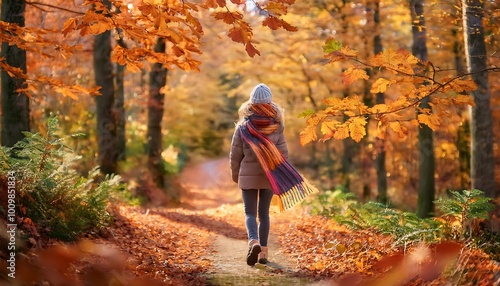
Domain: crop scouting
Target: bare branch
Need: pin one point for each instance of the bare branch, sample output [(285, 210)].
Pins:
[(40, 6)]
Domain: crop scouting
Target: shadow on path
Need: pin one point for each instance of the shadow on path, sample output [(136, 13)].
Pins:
[(217, 226)]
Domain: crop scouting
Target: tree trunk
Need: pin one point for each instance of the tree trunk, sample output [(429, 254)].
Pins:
[(15, 105), (380, 99), (106, 120), (426, 182), (157, 80), (119, 106), (463, 133), (463, 146), (483, 162), (121, 137)]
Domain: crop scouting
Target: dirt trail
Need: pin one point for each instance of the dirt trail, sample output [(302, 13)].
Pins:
[(209, 187)]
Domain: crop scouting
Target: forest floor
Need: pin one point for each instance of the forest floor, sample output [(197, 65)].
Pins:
[(203, 241)]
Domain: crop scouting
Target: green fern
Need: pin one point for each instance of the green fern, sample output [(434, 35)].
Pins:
[(332, 203), (405, 227), (61, 202), (465, 206)]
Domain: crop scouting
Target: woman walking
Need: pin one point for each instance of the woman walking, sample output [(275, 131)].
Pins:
[(259, 116)]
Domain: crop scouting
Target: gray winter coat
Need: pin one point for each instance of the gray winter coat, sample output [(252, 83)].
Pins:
[(245, 167)]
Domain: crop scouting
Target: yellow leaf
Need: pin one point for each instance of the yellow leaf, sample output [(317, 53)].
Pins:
[(357, 128), (379, 108), (414, 122), (342, 132), (382, 132), (65, 91), (352, 74), (68, 26), (328, 129), (332, 101), (228, 17), (316, 118), (463, 85), (276, 8), (350, 113), (348, 52), (395, 126), (431, 120), (133, 67), (380, 85), (463, 99), (400, 61), (308, 135), (329, 126)]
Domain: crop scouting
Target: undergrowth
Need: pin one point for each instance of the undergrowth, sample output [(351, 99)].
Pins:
[(459, 217), (51, 195)]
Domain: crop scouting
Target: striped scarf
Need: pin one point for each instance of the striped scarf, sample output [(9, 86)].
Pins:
[(287, 183)]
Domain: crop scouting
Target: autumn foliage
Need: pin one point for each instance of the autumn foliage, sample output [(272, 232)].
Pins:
[(414, 80), (174, 21)]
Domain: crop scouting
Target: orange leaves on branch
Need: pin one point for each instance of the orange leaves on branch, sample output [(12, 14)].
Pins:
[(141, 26), (34, 40), (32, 83), (354, 126), (462, 99), (461, 85), (241, 31), (408, 78), (336, 52), (275, 23)]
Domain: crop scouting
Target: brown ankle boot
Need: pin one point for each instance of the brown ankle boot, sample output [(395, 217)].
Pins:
[(254, 249), (263, 255)]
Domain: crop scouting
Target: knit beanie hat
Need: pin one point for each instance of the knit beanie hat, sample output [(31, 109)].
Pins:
[(261, 93)]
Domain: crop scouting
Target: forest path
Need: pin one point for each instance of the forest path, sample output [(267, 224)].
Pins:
[(208, 187)]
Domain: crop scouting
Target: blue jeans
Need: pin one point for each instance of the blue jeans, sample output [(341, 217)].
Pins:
[(257, 202)]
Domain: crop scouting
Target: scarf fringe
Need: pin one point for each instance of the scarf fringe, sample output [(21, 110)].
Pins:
[(295, 195)]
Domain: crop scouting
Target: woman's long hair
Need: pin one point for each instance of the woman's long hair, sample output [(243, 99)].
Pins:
[(245, 111)]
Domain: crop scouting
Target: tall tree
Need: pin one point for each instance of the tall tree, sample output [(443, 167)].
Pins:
[(106, 119), (426, 182), (382, 197), (483, 162), (157, 80), (120, 104), (15, 104)]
